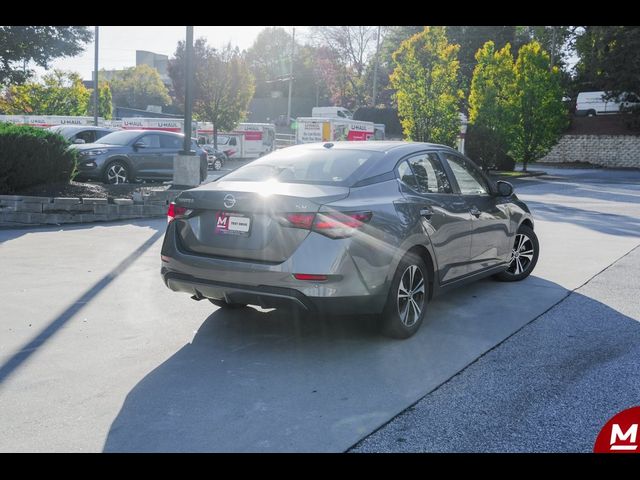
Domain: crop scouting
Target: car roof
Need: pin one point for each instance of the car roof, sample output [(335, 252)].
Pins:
[(384, 146), (390, 152)]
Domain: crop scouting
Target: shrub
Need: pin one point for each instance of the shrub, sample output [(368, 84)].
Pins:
[(33, 156), (484, 147)]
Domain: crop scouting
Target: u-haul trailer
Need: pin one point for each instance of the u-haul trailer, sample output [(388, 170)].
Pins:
[(165, 124), (314, 129), (45, 121)]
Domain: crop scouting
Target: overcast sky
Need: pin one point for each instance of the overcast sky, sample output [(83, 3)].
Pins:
[(118, 45)]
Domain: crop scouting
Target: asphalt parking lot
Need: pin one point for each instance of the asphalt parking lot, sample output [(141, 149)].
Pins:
[(97, 355)]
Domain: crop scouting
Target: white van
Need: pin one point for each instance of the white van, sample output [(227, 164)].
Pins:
[(331, 112), (595, 103)]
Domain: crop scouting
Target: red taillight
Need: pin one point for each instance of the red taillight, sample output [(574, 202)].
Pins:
[(331, 224), (340, 224), (310, 277), (175, 212), (299, 220)]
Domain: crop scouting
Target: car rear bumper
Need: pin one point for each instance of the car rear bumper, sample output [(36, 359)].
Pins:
[(272, 285), (267, 296)]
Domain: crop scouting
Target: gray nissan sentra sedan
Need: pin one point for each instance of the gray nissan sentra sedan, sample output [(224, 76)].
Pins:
[(347, 227)]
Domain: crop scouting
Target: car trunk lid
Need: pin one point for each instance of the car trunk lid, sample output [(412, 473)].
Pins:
[(244, 220)]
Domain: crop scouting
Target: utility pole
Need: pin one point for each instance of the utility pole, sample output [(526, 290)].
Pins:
[(293, 46), (95, 79), (188, 97), (375, 71)]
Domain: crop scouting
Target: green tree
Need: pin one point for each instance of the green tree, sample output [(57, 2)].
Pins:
[(351, 49), (227, 87), (471, 39), (138, 87), (105, 104), (427, 87), (389, 43), (269, 59), (59, 93), (491, 107), (609, 58), (537, 101), (223, 84), (175, 68), (21, 45)]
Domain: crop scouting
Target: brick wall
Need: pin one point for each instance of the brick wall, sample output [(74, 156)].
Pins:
[(604, 150)]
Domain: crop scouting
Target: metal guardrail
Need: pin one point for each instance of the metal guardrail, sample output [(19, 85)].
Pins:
[(285, 140)]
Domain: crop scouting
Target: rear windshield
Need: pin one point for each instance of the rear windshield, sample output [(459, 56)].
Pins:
[(295, 165)]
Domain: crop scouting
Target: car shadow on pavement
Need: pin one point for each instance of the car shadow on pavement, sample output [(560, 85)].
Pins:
[(276, 381), (610, 223), (14, 361), (549, 388)]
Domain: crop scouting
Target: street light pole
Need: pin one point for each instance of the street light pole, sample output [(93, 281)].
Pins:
[(188, 97), (375, 71), (95, 79), (293, 46)]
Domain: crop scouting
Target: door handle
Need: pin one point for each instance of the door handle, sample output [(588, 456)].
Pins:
[(475, 212), (426, 213)]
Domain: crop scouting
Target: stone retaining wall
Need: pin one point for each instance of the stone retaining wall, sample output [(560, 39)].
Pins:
[(604, 150), (28, 210)]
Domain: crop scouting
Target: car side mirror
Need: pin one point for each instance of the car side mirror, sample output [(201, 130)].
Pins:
[(504, 189), (139, 145), (79, 141)]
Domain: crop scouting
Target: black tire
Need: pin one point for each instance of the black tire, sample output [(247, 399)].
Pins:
[(518, 269), (400, 318), (223, 304), (217, 164), (117, 172)]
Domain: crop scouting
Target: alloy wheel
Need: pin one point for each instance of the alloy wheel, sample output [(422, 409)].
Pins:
[(521, 255), (411, 295), (116, 173)]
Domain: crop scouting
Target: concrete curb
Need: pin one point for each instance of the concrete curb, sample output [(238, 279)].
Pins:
[(20, 210)]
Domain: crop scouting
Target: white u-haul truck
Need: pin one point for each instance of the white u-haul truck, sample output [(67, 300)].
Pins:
[(315, 129), (247, 140)]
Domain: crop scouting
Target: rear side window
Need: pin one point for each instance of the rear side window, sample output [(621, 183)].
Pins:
[(424, 173), (298, 165), (171, 142), (151, 141), (89, 136), (467, 175)]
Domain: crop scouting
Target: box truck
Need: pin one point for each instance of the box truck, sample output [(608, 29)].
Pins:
[(314, 129), (247, 140)]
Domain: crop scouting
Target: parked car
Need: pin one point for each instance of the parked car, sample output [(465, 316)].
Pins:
[(80, 134), (129, 155), (215, 158), (347, 227), (596, 103)]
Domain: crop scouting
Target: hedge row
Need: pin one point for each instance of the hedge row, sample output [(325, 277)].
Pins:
[(33, 156)]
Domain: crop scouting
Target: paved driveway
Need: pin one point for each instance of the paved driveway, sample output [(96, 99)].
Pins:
[(96, 354)]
